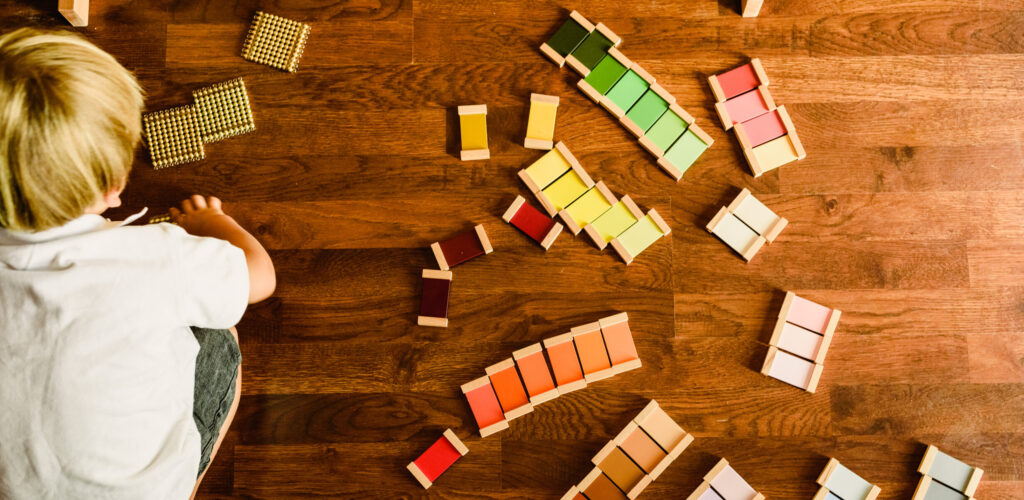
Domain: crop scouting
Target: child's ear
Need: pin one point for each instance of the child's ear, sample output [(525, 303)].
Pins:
[(112, 198)]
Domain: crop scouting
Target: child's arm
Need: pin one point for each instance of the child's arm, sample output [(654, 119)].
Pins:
[(201, 216)]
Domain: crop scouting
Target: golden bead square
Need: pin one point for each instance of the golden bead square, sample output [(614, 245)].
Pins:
[(223, 110), (275, 41), (173, 136)]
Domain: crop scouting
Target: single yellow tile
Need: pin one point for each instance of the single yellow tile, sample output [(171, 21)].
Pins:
[(588, 207), (565, 190), (639, 236), (541, 124), (775, 153), (613, 222), (474, 131), (549, 167)]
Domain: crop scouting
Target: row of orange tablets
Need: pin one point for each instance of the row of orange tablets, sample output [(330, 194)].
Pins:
[(587, 353)]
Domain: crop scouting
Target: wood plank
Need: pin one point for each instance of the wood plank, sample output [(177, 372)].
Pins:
[(356, 469), (383, 41), (883, 264), (905, 215), (926, 409)]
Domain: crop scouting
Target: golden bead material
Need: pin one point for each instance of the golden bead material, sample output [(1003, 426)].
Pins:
[(157, 219), (275, 41), (223, 110), (173, 136)]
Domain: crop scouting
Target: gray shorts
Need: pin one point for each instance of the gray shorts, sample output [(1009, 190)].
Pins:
[(216, 373)]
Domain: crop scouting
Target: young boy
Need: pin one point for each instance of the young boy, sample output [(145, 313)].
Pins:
[(105, 391)]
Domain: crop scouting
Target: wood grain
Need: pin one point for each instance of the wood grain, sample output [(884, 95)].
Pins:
[(906, 215)]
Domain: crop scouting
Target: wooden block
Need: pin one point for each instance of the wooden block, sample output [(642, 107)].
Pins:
[(791, 369), (950, 471), (671, 457), (735, 234), (652, 148), (845, 484), (704, 492), (588, 207), (640, 236), (536, 376), (509, 389), (716, 88), (531, 143), (701, 134), (757, 216), (609, 34), (744, 107), (640, 447), (485, 406), (592, 352), (922, 488), (613, 222), (548, 168), (633, 128), (540, 128), (567, 38), (573, 494), (532, 222), (824, 494), (461, 248), (670, 169), (577, 66), (931, 489), (565, 363), (596, 485), (75, 11), (437, 459), (434, 301), (716, 470), (473, 128), (589, 91), (771, 155), (738, 80), (658, 89), (729, 484), (643, 74), (751, 7), (762, 77), (566, 190), (810, 315), (685, 151), (552, 54), (666, 130), (660, 426), (625, 93), (791, 132), (484, 241), (474, 154), (796, 340), (615, 464), (612, 108), (619, 341)]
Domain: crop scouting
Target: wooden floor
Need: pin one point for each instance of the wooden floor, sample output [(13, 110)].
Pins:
[(906, 215)]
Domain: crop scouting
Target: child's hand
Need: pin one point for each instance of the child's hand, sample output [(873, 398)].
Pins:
[(200, 215)]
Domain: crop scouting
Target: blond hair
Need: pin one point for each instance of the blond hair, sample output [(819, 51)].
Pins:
[(70, 119)]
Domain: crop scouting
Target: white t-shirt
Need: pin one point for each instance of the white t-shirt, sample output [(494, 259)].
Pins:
[(97, 362)]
